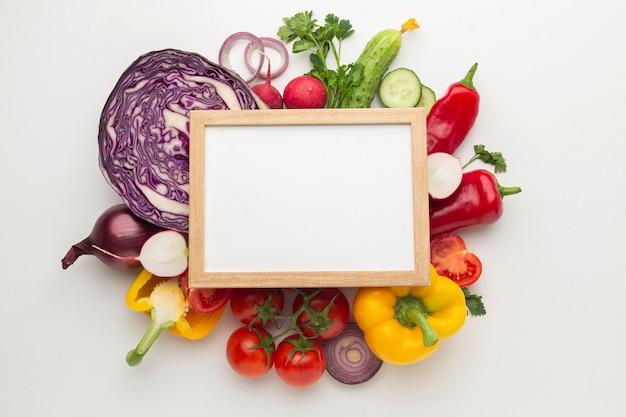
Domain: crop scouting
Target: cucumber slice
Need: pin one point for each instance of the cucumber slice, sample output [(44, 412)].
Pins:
[(400, 88), (428, 98)]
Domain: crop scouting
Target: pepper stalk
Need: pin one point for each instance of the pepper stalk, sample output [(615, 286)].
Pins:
[(168, 306), (410, 312)]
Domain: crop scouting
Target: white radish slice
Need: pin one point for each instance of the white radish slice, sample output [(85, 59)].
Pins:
[(165, 254), (444, 174)]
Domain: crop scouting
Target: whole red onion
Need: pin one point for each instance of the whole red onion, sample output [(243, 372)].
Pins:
[(118, 231)]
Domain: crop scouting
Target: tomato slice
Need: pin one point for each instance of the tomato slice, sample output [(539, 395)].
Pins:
[(450, 257)]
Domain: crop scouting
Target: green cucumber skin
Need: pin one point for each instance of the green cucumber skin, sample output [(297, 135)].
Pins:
[(375, 58)]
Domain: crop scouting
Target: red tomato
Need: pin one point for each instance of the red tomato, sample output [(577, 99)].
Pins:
[(247, 304), (204, 300), (450, 257), (327, 325), (245, 357), (300, 362)]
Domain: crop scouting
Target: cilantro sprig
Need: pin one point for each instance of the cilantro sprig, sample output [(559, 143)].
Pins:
[(308, 35)]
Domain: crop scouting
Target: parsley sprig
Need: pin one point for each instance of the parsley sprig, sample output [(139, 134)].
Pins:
[(492, 158), (308, 35), (474, 303)]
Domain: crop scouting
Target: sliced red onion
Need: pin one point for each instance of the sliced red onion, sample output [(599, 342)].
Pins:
[(348, 358), (268, 43), (252, 42)]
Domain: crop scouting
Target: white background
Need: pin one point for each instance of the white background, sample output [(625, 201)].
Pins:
[(552, 81)]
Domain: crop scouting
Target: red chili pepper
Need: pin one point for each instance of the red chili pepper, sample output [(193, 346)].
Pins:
[(453, 115), (477, 201)]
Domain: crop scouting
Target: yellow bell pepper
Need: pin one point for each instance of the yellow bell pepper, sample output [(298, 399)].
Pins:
[(403, 325), (164, 302)]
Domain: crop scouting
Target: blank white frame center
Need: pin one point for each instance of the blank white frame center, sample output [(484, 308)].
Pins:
[(308, 198)]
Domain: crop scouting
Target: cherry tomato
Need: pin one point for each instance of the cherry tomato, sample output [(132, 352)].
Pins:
[(300, 362), (248, 304), (245, 352), (327, 325), (450, 257), (204, 300)]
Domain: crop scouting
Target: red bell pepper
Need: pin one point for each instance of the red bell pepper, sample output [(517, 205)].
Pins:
[(477, 201), (453, 115)]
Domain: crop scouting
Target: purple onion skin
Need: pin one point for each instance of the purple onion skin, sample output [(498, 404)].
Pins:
[(144, 130), (118, 231)]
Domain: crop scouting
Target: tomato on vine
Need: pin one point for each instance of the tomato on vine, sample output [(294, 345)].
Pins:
[(300, 362), (317, 314), (250, 351), (257, 306), (327, 314)]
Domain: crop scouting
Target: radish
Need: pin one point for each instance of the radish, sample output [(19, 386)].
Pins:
[(267, 92), (164, 254), (444, 174), (305, 92)]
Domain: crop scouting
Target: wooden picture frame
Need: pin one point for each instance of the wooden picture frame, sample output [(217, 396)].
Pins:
[(308, 198)]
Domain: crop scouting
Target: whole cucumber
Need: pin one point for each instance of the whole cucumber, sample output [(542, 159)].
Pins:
[(375, 58)]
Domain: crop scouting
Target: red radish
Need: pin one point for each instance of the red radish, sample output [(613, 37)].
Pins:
[(267, 92), (444, 174), (305, 92), (117, 230)]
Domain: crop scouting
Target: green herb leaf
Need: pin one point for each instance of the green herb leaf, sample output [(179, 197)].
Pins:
[(492, 158), (474, 303), (300, 25), (341, 28), (317, 62)]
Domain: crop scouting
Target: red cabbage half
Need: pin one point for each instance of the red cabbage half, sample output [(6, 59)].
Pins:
[(144, 129)]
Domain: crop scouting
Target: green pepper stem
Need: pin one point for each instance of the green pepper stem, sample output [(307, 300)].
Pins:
[(411, 312), (468, 81), (135, 356), (504, 191)]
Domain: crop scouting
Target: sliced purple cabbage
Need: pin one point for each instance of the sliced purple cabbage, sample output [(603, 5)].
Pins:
[(144, 129)]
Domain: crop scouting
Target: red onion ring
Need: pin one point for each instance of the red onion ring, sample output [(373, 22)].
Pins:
[(269, 43), (231, 41), (348, 358)]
